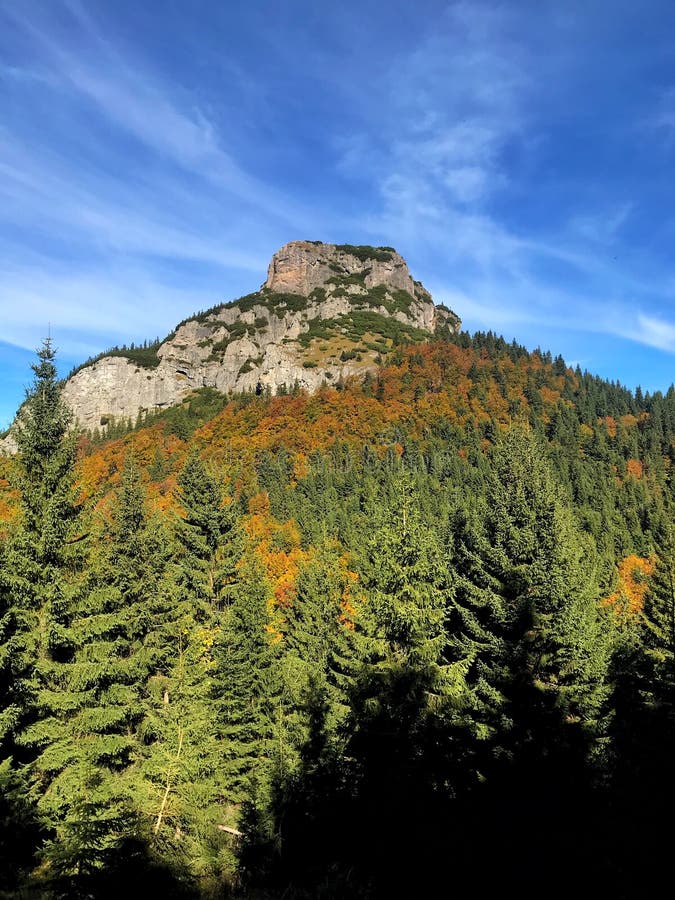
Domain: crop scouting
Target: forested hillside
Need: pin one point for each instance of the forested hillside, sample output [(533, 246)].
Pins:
[(410, 635)]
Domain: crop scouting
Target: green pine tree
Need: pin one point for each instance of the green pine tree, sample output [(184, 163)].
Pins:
[(658, 620), (87, 733), (178, 784), (408, 698), (556, 640), (247, 683), (40, 560), (319, 634), (208, 543)]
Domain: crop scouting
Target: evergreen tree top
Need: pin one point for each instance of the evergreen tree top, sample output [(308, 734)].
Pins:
[(44, 418)]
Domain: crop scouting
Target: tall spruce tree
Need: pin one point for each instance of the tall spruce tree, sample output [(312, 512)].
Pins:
[(642, 782), (40, 559), (319, 633), (88, 732), (645, 683), (658, 620), (476, 620), (41, 562), (208, 544), (550, 669), (247, 682), (178, 782), (183, 786), (407, 698), (556, 639)]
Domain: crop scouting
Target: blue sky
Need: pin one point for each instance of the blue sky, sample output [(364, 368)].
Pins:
[(520, 155)]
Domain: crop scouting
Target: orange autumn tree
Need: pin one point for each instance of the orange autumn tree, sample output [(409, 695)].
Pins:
[(634, 574), (277, 546)]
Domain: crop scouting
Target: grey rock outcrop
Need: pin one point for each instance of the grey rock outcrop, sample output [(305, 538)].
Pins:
[(302, 266)]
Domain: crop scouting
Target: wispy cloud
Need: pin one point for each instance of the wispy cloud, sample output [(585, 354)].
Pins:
[(124, 175), (458, 100), (529, 308), (99, 210), (88, 311), (662, 117), (133, 97), (602, 227), (455, 106), (465, 103), (654, 332)]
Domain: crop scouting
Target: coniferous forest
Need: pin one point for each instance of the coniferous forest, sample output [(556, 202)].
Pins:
[(412, 635)]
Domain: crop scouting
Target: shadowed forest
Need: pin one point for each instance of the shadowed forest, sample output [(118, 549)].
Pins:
[(412, 635)]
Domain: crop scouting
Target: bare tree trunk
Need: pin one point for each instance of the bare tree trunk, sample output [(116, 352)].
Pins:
[(158, 823)]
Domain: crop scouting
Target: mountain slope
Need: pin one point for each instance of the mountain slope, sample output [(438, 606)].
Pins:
[(325, 312)]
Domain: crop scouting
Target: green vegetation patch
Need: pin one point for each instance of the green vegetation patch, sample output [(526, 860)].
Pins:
[(145, 356), (377, 346), (235, 332), (378, 295), (276, 302), (251, 364), (364, 252), (322, 329), (401, 301), (355, 278), (199, 317), (245, 303), (358, 322)]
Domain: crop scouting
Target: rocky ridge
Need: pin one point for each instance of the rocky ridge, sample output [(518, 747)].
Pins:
[(325, 312)]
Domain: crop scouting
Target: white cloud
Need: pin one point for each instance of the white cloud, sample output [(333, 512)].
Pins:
[(90, 310), (161, 115), (453, 107), (654, 332), (102, 212), (467, 183), (602, 228), (663, 119), (460, 103), (484, 312), (109, 220)]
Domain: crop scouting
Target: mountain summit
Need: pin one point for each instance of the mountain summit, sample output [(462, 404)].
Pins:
[(326, 311)]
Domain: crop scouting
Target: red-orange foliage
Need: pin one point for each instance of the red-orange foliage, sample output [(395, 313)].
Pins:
[(99, 470), (350, 579), (634, 468), (427, 385), (634, 573), (9, 496), (277, 545)]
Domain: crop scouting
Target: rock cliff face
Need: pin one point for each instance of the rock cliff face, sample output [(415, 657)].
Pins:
[(302, 266), (326, 311)]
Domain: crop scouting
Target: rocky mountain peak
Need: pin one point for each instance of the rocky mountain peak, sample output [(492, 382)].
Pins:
[(302, 266), (325, 312)]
